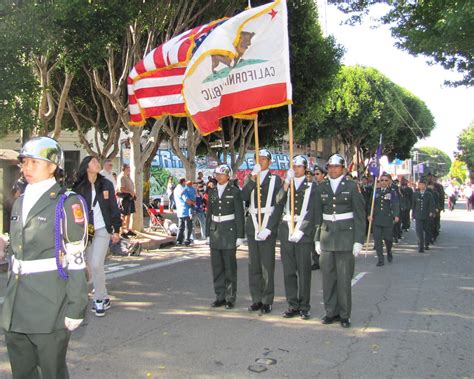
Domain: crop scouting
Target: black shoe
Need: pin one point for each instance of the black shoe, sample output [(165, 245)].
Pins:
[(345, 322), (421, 250), (218, 303), (124, 235), (266, 308), (427, 247), (187, 243), (130, 233), (179, 243), (379, 264), (326, 320), (305, 315), (229, 305), (315, 266), (389, 257), (290, 312), (255, 307)]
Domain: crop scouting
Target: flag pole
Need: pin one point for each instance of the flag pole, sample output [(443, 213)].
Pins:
[(292, 192), (257, 149), (371, 216)]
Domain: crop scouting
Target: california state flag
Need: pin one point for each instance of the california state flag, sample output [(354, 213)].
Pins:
[(242, 67)]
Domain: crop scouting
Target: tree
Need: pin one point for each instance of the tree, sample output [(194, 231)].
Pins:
[(441, 30), (364, 104), (458, 171), (435, 161), (466, 147)]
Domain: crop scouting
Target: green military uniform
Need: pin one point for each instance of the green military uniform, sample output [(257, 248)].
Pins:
[(386, 208), (340, 222), (438, 188), (423, 209), (406, 200), (262, 253), (224, 225), (37, 299), (296, 256)]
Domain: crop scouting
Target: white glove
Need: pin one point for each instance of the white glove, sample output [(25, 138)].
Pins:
[(240, 241), (256, 170), (317, 246), (296, 236), (356, 249), (290, 174), (72, 324), (208, 240), (263, 234)]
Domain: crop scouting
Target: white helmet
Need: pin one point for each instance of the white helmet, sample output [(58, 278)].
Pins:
[(300, 160), (44, 148), (336, 160), (223, 169), (265, 153)]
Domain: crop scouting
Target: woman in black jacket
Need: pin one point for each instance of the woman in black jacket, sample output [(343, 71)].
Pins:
[(104, 214)]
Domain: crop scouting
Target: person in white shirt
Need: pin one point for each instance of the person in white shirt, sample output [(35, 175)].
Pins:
[(108, 173)]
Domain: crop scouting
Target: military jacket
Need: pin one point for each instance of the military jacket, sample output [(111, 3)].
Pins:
[(406, 198), (339, 235), (386, 207), (440, 191), (249, 189), (39, 302), (307, 225), (423, 205), (223, 235)]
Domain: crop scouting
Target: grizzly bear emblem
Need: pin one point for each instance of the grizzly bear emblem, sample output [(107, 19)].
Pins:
[(245, 40)]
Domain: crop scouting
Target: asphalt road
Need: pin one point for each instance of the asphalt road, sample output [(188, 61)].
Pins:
[(412, 318)]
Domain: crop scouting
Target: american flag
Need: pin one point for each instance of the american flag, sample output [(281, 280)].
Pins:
[(156, 82)]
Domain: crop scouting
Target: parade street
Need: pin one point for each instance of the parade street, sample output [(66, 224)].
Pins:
[(412, 318)]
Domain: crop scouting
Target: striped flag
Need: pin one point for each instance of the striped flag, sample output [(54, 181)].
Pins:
[(156, 82), (242, 67)]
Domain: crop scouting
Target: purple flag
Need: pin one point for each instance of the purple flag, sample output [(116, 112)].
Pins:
[(374, 165)]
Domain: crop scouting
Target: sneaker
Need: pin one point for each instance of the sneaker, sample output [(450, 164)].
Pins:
[(107, 304), (99, 308)]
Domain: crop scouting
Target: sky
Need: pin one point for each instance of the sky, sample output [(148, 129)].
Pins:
[(452, 108)]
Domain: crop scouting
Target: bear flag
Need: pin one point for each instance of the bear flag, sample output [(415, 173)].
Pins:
[(242, 67)]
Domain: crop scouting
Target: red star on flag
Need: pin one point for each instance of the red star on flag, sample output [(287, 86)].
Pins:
[(273, 13)]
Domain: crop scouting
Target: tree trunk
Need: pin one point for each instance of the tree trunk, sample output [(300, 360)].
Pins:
[(136, 173)]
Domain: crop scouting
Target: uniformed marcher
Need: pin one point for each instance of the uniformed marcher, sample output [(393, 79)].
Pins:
[(439, 205), (262, 240), (225, 232), (340, 227), (46, 294), (423, 210), (386, 213), (297, 241), (319, 176), (397, 228), (406, 200)]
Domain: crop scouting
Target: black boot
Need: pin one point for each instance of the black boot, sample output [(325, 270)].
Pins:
[(388, 246)]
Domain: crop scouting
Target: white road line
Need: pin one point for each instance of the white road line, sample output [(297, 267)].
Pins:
[(131, 271), (358, 277)]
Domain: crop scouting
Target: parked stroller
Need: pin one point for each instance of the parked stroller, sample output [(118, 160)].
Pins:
[(157, 221)]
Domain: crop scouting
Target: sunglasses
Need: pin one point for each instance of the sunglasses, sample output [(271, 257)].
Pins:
[(383, 180)]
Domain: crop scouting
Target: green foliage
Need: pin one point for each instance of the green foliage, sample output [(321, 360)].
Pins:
[(364, 104), (466, 147), (440, 30), (435, 160), (458, 171)]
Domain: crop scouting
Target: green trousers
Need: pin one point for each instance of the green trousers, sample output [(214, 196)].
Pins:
[(262, 270), (31, 354)]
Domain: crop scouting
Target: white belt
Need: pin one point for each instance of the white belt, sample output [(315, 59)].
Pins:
[(262, 210), (338, 217), (288, 218), (223, 218), (34, 266)]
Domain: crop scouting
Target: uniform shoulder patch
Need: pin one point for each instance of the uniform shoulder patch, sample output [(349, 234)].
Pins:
[(78, 213)]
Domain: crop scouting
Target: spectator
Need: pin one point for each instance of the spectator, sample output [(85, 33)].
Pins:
[(183, 200), (105, 216), (169, 191), (127, 195), (201, 185), (108, 173), (199, 214)]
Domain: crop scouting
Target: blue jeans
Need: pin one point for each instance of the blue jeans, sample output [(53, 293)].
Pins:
[(185, 224)]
